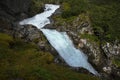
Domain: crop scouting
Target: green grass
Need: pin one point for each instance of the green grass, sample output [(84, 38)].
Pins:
[(5, 37), (21, 60)]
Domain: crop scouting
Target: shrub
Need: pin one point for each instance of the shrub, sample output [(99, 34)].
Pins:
[(105, 19), (74, 8)]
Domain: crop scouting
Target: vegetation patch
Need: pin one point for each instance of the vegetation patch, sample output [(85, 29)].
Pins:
[(116, 61), (89, 37), (21, 60), (105, 19)]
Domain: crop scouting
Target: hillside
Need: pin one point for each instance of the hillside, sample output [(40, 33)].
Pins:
[(92, 25)]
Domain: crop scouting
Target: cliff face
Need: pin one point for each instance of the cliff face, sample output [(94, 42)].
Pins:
[(15, 6), (12, 11)]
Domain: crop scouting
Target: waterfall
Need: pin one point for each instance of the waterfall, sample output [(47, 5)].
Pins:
[(40, 20), (60, 40)]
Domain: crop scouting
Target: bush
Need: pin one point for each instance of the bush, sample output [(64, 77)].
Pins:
[(74, 8), (105, 19)]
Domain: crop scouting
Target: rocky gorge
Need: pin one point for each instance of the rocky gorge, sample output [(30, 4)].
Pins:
[(104, 56)]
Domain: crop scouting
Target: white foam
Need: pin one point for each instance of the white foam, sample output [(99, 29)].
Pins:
[(72, 56)]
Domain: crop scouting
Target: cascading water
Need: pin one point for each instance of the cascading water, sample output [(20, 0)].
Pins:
[(60, 40)]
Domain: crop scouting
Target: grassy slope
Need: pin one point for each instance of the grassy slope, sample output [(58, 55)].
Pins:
[(20, 60), (105, 18)]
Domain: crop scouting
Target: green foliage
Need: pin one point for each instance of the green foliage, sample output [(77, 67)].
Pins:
[(20, 45), (4, 43), (105, 19), (74, 7), (5, 37), (116, 61), (21, 60)]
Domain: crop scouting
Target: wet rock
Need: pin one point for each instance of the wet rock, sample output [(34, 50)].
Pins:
[(111, 49), (97, 57), (27, 32), (107, 69), (87, 30), (92, 50), (41, 45)]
